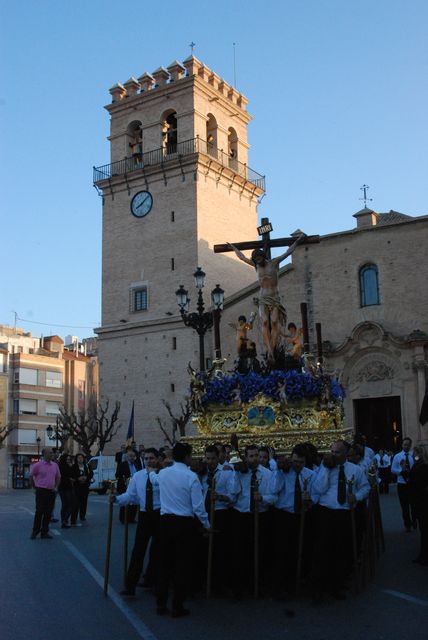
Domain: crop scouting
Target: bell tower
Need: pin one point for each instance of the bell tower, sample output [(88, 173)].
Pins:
[(178, 182)]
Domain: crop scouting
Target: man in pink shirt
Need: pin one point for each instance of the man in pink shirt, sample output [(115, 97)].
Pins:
[(45, 478)]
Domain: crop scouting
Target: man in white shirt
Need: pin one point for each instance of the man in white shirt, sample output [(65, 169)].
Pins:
[(251, 485), (181, 500), (332, 560), (383, 462), (291, 483), (142, 491), (401, 465), (217, 481)]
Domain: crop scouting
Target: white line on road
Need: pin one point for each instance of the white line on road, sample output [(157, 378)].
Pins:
[(55, 532), (141, 628), (405, 596), (28, 510)]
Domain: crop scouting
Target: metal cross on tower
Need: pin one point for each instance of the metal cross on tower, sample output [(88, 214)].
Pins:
[(365, 199), (192, 45)]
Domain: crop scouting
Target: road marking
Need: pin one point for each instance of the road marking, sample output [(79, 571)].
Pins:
[(55, 532), (405, 596), (28, 510), (141, 628)]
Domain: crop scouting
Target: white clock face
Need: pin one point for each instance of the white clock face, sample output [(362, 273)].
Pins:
[(141, 204)]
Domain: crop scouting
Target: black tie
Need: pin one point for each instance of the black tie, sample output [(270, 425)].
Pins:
[(149, 494), (341, 486), (253, 489), (297, 494), (210, 479)]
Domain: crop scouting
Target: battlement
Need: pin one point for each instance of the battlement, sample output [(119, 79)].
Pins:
[(174, 73)]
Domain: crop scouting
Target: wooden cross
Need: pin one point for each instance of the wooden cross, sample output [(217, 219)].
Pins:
[(266, 243)]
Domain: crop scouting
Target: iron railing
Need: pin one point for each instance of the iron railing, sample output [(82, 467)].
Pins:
[(172, 152)]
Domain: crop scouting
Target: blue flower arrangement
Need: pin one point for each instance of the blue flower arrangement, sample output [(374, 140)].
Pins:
[(298, 386)]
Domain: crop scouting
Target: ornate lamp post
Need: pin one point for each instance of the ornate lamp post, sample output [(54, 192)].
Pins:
[(57, 433), (201, 320), (38, 440)]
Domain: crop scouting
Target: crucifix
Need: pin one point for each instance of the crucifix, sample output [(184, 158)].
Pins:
[(192, 45), (271, 311), (365, 199)]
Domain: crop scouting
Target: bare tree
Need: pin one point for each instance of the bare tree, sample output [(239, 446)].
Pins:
[(5, 430), (91, 429), (178, 421)]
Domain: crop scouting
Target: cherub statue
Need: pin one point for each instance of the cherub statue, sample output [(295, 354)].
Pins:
[(236, 394), (293, 340), (197, 389), (242, 329), (282, 391)]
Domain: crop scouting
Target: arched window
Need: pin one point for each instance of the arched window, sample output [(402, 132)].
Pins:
[(232, 147), (170, 132), (369, 285), (211, 135), (134, 137)]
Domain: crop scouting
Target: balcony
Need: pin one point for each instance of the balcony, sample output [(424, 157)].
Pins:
[(174, 153)]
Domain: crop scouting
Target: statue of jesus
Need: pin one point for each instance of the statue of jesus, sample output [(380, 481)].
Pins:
[(271, 311)]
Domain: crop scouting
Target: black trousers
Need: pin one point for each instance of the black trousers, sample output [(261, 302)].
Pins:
[(286, 547), (132, 513), (68, 502), (407, 510), (80, 504), (422, 516), (147, 529), (45, 500), (384, 475), (332, 550), (176, 540), (243, 549)]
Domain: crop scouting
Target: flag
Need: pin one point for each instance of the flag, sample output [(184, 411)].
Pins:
[(130, 434)]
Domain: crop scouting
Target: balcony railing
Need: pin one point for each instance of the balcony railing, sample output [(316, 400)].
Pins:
[(140, 161)]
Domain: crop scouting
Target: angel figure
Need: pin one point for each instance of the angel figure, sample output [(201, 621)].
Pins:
[(242, 329), (282, 391), (197, 389)]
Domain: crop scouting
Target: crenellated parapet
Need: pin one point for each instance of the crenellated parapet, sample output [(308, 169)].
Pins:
[(173, 74)]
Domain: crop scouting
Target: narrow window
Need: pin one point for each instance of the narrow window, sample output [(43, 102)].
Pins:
[(172, 387), (369, 285), (172, 264), (174, 343), (172, 216), (139, 299)]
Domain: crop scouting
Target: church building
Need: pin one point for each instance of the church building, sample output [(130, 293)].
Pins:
[(178, 183)]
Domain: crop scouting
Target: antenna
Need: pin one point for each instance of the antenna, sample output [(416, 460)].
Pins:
[(365, 199), (234, 64)]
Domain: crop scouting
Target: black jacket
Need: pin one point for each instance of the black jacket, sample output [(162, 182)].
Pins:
[(123, 472), (87, 471)]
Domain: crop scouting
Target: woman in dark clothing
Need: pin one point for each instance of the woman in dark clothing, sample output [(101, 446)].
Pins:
[(418, 482), (66, 488), (83, 475)]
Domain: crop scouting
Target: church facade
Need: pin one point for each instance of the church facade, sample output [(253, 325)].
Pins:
[(177, 184)]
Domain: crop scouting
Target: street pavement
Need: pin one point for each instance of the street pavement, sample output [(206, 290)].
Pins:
[(53, 588)]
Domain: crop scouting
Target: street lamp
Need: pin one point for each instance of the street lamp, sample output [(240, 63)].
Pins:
[(57, 434), (38, 440), (201, 320)]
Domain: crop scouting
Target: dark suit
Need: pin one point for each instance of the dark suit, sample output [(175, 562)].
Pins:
[(123, 473)]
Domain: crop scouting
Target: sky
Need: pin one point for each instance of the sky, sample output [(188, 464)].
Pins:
[(337, 89)]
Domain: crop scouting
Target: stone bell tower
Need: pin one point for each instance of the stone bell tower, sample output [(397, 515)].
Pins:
[(178, 182)]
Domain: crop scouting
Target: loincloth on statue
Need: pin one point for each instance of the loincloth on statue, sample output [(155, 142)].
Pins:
[(273, 302)]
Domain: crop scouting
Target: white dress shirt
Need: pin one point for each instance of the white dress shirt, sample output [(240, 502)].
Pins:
[(396, 467), (383, 462), (283, 484), (181, 493), (136, 491), (241, 489), (368, 455), (223, 486), (326, 484)]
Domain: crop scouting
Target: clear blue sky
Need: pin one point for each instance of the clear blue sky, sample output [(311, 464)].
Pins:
[(337, 89)]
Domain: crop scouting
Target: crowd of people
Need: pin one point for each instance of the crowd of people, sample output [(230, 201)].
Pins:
[(311, 513), (68, 476), (274, 523)]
